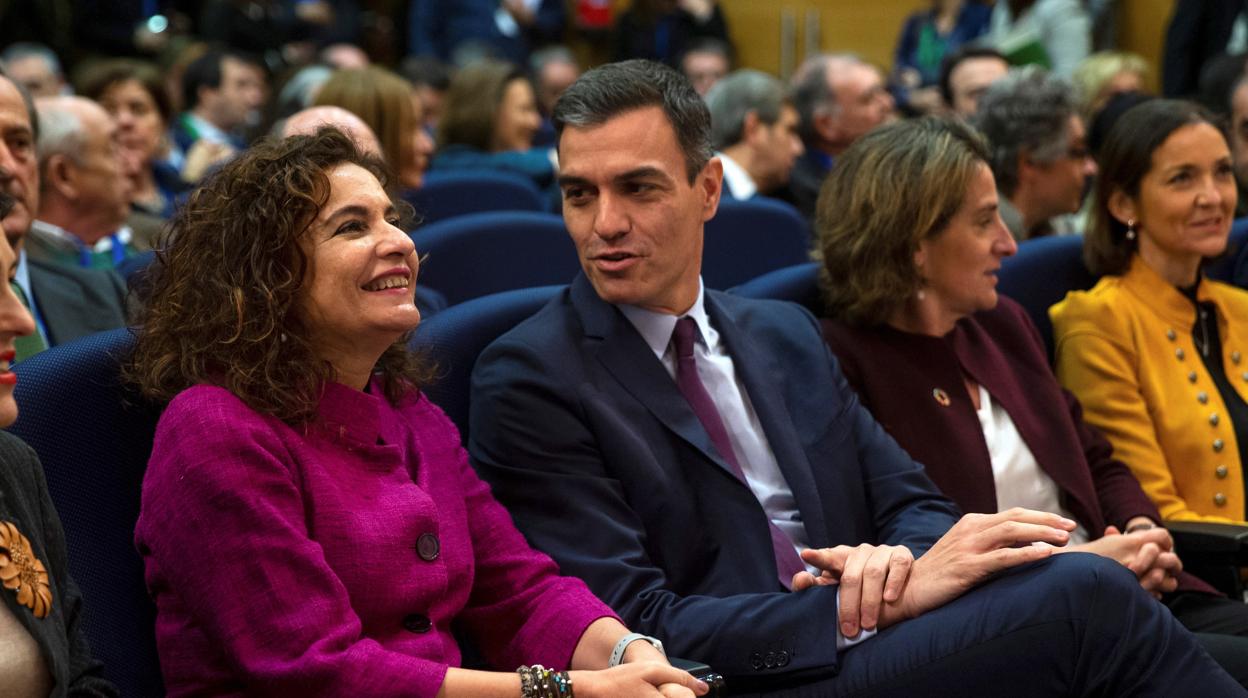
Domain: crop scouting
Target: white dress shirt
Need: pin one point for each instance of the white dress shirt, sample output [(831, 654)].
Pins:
[(739, 182), (749, 442), (1017, 476)]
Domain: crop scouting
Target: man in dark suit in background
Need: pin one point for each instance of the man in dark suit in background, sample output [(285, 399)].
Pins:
[(67, 303), (677, 447)]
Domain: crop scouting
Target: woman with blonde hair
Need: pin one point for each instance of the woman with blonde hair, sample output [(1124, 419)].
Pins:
[(392, 109)]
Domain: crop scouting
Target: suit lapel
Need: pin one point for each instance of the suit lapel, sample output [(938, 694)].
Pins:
[(762, 376), (628, 358)]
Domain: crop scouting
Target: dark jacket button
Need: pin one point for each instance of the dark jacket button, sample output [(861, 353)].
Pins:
[(770, 660), (417, 623), (756, 661), (782, 658), (427, 547)]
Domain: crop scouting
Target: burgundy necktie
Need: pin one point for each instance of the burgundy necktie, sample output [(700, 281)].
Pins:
[(690, 385)]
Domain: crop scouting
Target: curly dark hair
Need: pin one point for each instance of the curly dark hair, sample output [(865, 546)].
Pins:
[(220, 302)]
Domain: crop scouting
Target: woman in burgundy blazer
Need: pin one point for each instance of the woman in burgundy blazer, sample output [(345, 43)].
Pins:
[(924, 338)]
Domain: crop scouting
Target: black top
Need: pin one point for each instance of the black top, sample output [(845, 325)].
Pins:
[(1209, 343)]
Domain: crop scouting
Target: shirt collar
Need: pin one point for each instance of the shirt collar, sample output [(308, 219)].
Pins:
[(740, 183), (656, 328)]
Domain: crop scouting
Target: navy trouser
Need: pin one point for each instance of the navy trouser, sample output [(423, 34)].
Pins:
[(1072, 625)]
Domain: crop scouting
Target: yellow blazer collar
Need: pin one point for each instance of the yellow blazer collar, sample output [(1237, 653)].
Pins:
[(1167, 301)]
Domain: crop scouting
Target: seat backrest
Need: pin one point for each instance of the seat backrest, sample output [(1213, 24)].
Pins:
[(456, 336), (798, 284), (448, 194), (749, 238), (1232, 267), (483, 253), (1041, 274), (94, 437)]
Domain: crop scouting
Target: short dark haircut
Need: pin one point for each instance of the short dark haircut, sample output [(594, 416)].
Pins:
[(615, 88), (707, 44), (426, 71), (1125, 159), (102, 77), (206, 71), (951, 61)]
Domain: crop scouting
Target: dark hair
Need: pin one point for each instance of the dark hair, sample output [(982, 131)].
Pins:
[(426, 71), (615, 88), (221, 300), (1217, 79), (951, 61), (206, 71), (706, 44), (894, 187), (100, 78), (1103, 121), (470, 110), (1126, 158)]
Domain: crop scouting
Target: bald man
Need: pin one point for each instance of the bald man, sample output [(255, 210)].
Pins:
[(307, 121)]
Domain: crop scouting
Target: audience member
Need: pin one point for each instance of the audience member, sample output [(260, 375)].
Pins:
[(1218, 78), (296, 439), (488, 122), (754, 131), (300, 90), (132, 93), (66, 302), (838, 98), (36, 67), (313, 119), (389, 106), (344, 57), (45, 648), (1105, 74), (223, 92), (1039, 151), (663, 30), (553, 69), (431, 79), (705, 62), (1239, 143), (1153, 351), (461, 31), (927, 37), (966, 74), (911, 240), (85, 193), (1198, 31), (1104, 119), (1055, 34), (696, 440)]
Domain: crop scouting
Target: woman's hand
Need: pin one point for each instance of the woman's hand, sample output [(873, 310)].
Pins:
[(647, 679), (1148, 554)]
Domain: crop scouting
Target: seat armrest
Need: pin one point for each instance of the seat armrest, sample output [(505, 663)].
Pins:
[(1200, 538)]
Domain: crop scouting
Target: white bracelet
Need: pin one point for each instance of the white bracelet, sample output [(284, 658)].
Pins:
[(617, 654)]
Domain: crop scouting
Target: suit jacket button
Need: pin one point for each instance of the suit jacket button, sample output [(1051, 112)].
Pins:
[(756, 661), (427, 547), (782, 658), (770, 660), (417, 623)]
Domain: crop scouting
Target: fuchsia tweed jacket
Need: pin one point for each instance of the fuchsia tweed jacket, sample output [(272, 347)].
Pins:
[(332, 559)]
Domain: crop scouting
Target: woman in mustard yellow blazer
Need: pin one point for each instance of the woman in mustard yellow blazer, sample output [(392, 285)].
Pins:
[(1155, 352)]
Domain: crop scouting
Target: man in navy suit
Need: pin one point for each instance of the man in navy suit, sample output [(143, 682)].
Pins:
[(677, 448)]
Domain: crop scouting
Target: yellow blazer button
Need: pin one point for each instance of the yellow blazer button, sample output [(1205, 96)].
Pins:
[(1202, 397), (1179, 353), (1235, 357), (1217, 445), (1219, 499), (1170, 335), (1221, 472), (1191, 376), (1213, 419)]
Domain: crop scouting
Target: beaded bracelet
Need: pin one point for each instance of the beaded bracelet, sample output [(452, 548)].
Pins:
[(539, 682)]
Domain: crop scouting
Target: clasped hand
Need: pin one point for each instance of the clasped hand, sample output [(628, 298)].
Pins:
[(884, 584), (1149, 554)]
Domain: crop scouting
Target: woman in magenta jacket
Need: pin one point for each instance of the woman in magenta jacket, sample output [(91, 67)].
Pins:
[(310, 524)]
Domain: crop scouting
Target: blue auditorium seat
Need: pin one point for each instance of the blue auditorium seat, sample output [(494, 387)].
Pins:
[(94, 436), (483, 253), (1041, 273), (445, 195), (798, 284), (749, 238)]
